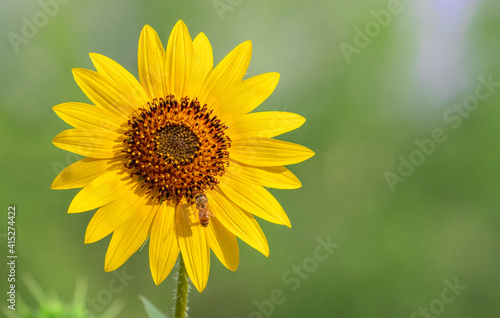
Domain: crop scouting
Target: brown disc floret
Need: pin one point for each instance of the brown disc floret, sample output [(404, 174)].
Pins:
[(177, 149)]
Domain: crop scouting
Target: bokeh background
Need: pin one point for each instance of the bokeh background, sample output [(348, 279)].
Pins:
[(364, 108)]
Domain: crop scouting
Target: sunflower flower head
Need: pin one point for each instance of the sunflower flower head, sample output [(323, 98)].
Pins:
[(178, 155)]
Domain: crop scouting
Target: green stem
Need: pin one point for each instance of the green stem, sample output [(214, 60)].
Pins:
[(182, 290)]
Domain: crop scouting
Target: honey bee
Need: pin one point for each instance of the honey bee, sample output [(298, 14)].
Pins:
[(202, 205)]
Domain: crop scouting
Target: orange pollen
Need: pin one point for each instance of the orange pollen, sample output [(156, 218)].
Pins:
[(178, 150)]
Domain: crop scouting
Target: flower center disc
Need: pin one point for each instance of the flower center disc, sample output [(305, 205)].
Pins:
[(177, 149), (177, 143)]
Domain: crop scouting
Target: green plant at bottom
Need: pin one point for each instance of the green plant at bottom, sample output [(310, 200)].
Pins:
[(51, 306)]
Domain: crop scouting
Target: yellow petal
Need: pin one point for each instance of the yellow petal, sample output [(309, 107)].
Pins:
[(254, 199), (99, 227), (193, 244), (223, 243), (247, 95), (163, 247), (203, 64), (277, 177), (85, 116), (90, 143), (104, 94), (227, 73), (179, 61), (103, 190), (239, 222), (151, 61), (116, 73), (264, 124), (111, 216), (131, 235), (80, 173), (268, 152)]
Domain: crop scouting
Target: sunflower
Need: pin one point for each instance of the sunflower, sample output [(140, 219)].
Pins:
[(177, 156)]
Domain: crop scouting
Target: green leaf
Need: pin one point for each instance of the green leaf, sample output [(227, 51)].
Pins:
[(151, 310)]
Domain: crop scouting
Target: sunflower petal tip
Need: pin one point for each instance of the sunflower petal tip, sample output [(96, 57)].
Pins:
[(95, 56), (247, 45), (276, 78), (272, 78), (73, 208), (71, 211), (88, 237), (308, 153), (233, 268), (200, 286), (109, 265), (147, 29), (78, 73), (55, 184), (202, 36), (181, 26), (157, 280)]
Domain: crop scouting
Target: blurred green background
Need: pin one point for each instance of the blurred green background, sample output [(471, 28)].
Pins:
[(364, 109)]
